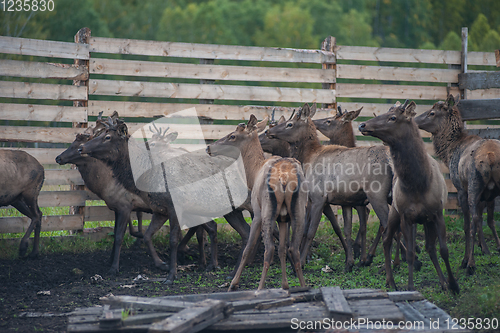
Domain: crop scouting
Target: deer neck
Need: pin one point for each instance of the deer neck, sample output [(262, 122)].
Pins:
[(303, 149), (411, 162), (449, 138), (346, 137), (253, 160)]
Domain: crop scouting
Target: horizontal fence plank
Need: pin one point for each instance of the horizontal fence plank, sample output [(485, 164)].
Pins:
[(477, 109), (12, 111), (11, 89), (43, 48), (103, 213), (481, 80), (485, 133), (43, 155), (397, 55), (65, 198), (481, 58), (207, 51), (209, 72), (369, 109), (205, 91), (397, 73), (39, 134), (400, 92), (483, 94), (42, 70), (212, 111), (63, 177), (49, 223)]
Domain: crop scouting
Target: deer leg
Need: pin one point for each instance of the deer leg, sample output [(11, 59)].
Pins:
[(182, 248), (409, 236), (282, 250), (363, 212), (316, 210), (267, 233), (477, 219), (132, 232), (211, 228), (349, 259), (464, 204), (298, 227), (200, 237), (121, 221), (252, 241), (490, 208), (397, 260), (440, 230), (175, 231), (328, 211), (157, 221), (29, 207), (480, 233), (430, 246), (381, 208), (373, 248), (392, 226), (237, 221)]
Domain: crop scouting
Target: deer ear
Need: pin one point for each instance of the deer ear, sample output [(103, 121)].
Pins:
[(304, 112), (122, 130), (409, 111), (252, 122), (170, 137), (351, 115), (281, 120), (450, 101), (261, 125), (313, 110)]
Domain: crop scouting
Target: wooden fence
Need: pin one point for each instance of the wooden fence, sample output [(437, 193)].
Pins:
[(148, 79)]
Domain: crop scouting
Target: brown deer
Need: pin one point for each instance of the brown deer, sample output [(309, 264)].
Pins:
[(474, 165), (336, 175), (419, 190), (21, 179), (279, 193)]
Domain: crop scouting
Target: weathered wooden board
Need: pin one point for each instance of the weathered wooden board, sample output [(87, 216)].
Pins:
[(192, 319), (485, 133), (208, 51), (401, 92), (209, 91), (477, 109), (481, 80), (397, 55), (11, 89), (39, 134), (481, 58), (336, 303), (148, 303), (268, 294), (358, 294), (497, 56), (12, 111), (62, 177), (49, 223), (103, 213), (43, 48), (364, 72), (42, 70), (483, 93), (43, 155), (209, 72)]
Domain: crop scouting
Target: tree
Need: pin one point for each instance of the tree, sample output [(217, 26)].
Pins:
[(451, 42), (355, 30)]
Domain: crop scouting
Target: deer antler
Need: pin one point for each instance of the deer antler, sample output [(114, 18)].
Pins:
[(405, 104), (339, 110), (272, 115), (293, 112)]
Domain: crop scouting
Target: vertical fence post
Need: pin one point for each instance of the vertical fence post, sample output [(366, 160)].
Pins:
[(82, 36), (329, 45), (465, 33)]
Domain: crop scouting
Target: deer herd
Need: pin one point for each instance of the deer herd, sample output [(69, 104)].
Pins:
[(291, 181)]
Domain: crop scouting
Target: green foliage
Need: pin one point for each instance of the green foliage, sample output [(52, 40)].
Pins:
[(451, 42)]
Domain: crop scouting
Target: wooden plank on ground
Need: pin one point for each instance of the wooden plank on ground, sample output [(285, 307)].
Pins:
[(397, 55), (336, 302), (358, 294), (11, 89), (208, 51), (43, 155), (387, 73), (156, 303), (42, 70), (12, 111), (43, 48), (400, 92), (16, 224), (39, 134), (267, 294), (213, 111), (209, 91), (209, 72), (477, 109), (192, 319), (480, 80)]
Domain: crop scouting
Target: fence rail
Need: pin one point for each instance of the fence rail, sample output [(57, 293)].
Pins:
[(224, 83)]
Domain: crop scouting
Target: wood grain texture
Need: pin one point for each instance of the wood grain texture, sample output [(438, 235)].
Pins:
[(11, 89), (38, 112), (43, 48)]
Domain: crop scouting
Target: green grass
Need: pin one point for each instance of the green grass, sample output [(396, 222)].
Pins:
[(479, 295)]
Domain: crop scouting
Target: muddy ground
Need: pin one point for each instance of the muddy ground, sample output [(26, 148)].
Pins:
[(25, 305)]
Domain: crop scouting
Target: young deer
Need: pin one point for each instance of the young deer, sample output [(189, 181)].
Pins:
[(474, 165), (336, 175), (279, 193), (419, 190)]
